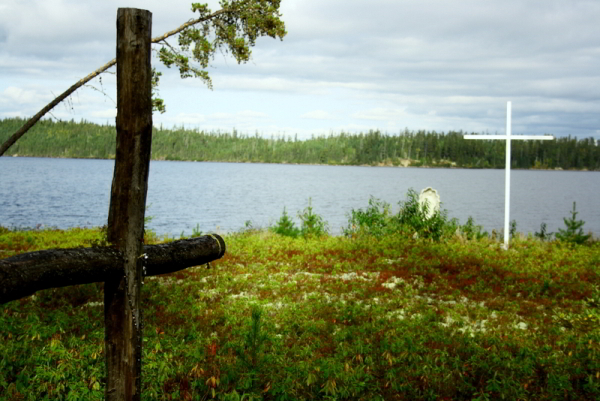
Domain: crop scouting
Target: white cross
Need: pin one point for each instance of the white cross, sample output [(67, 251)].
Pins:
[(508, 138)]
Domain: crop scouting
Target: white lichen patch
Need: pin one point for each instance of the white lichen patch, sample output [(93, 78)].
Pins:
[(92, 304), (427, 299), (351, 276), (167, 281), (307, 275), (407, 300), (210, 294), (448, 321), (196, 268), (394, 282), (521, 326), (242, 277), (464, 325), (242, 294), (310, 296), (397, 314), (274, 305)]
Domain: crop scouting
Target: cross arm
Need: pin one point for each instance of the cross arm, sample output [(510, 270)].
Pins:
[(517, 137), (25, 274)]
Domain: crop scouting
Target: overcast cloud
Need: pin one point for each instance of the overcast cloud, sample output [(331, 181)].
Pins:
[(350, 65)]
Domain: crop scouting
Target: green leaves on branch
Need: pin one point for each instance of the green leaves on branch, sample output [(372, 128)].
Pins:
[(158, 104), (234, 30)]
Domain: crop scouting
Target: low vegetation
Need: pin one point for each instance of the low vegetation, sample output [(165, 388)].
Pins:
[(395, 309)]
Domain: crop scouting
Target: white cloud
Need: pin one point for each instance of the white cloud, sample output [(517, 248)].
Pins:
[(419, 64), (106, 113), (220, 116), (9, 114), (318, 115), (251, 114), (13, 95), (380, 114), (239, 82), (190, 118), (241, 120), (238, 116)]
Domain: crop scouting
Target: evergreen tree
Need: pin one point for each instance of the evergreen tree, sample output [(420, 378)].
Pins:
[(312, 223), (286, 226), (87, 140), (574, 232)]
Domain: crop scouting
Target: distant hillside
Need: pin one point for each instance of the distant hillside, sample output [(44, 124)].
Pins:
[(421, 148)]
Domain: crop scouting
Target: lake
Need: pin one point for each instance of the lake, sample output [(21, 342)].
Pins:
[(221, 197)]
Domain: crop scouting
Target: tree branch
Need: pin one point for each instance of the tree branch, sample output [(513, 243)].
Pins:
[(188, 24), (31, 122), (25, 274)]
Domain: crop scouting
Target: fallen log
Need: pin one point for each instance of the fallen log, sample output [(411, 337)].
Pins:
[(23, 275)]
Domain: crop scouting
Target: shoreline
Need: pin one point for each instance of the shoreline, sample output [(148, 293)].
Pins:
[(401, 165)]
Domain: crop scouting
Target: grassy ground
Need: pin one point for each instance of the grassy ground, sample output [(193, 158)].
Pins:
[(278, 318)]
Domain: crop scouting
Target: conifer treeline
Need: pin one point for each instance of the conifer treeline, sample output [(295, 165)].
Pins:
[(88, 140)]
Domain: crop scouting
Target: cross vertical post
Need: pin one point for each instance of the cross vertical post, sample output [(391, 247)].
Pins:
[(122, 315), (507, 173), (509, 138)]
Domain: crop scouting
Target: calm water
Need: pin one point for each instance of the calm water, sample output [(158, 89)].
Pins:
[(223, 196)]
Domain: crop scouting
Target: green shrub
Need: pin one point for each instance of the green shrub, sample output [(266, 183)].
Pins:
[(411, 219), (286, 226), (313, 225), (374, 220), (472, 231), (413, 215), (249, 227), (196, 232), (574, 232), (512, 230), (254, 339), (543, 234)]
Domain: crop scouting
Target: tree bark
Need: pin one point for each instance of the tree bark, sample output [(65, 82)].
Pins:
[(33, 120), (25, 274)]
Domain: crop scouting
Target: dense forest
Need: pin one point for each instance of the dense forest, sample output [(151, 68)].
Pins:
[(83, 139)]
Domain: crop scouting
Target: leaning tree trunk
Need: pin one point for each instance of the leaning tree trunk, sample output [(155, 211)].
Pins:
[(33, 120)]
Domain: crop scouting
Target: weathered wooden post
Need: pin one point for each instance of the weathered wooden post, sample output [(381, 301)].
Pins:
[(122, 316), (121, 265)]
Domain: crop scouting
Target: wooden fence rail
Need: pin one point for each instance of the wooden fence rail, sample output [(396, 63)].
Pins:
[(25, 274)]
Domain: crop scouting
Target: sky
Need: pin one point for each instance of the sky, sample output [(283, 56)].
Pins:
[(344, 66)]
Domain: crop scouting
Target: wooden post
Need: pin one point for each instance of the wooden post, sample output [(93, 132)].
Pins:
[(122, 316)]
